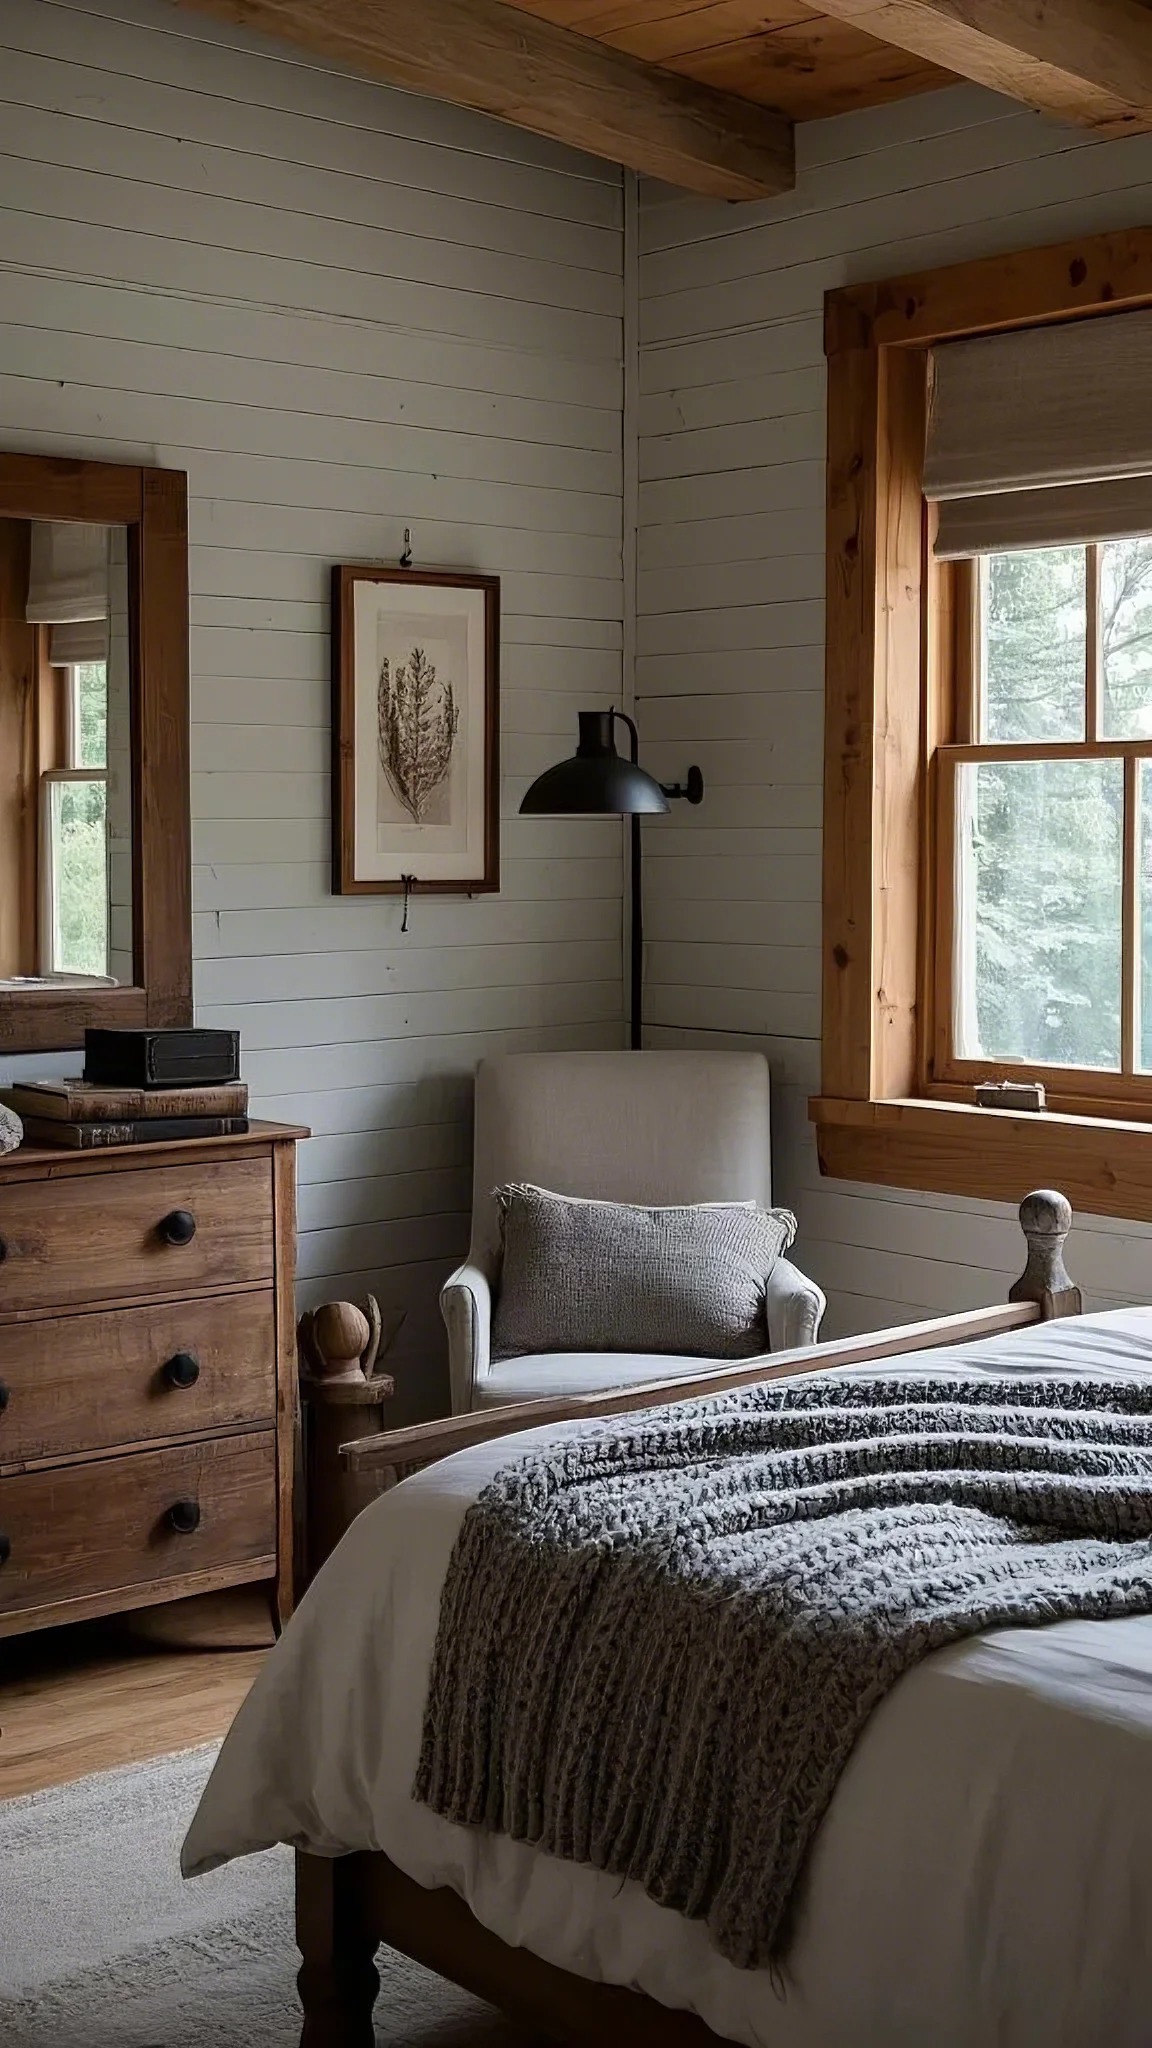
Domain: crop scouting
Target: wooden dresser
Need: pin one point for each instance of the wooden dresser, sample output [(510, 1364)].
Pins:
[(147, 1374)]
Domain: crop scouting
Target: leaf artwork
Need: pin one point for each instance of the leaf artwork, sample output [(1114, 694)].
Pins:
[(418, 721)]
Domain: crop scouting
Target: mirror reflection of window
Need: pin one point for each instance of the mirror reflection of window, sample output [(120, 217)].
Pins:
[(65, 777)]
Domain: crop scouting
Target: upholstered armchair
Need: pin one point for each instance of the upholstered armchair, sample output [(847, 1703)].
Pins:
[(658, 1128)]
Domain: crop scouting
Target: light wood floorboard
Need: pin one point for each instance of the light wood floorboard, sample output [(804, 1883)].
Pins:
[(91, 1698)]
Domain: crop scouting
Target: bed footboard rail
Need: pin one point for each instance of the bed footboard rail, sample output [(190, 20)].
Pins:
[(1043, 1291)]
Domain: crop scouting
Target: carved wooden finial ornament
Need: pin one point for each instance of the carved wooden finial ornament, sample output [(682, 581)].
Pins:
[(1046, 1219)]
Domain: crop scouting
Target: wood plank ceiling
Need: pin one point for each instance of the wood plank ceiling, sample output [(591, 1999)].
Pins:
[(774, 52)]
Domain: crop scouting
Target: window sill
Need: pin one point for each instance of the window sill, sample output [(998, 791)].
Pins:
[(1102, 1164)]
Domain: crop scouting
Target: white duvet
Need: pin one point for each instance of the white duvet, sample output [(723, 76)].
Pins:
[(983, 1878)]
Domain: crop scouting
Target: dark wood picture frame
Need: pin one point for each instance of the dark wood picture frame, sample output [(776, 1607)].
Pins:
[(153, 505), (345, 881)]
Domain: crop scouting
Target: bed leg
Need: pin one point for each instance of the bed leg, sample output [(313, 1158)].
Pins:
[(337, 1980)]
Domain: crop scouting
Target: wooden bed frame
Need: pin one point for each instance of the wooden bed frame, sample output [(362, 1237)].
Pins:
[(347, 1906)]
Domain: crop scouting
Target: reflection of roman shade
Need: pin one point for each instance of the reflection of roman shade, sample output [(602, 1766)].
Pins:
[(1042, 436), (68, 589)]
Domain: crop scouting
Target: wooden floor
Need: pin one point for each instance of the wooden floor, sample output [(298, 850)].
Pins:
[(91, 1697)]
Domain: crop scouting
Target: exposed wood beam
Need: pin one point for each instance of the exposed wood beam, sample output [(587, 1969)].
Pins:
[(1086, 61), (499, 60)]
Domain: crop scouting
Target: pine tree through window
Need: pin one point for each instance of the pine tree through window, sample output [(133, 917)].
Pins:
[(1044, 822)]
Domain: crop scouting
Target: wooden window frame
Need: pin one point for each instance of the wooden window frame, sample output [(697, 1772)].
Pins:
[(895, 618), (153, 505)]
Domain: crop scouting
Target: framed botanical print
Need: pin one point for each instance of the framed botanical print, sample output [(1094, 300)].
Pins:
[(415, 754)]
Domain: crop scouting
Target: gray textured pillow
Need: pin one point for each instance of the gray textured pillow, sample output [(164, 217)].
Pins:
[(608, 1276)]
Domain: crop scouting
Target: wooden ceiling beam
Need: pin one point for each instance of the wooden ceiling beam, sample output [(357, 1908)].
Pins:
[(1084, 61), (499, 60)]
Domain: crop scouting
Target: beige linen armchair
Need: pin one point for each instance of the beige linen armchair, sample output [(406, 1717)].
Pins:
[(650, 1127)]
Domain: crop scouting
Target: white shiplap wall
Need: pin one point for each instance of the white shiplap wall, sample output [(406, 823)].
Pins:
[(730, 620), (342, 310)]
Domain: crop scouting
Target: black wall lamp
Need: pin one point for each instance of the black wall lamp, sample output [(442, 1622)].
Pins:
[(595, 779)]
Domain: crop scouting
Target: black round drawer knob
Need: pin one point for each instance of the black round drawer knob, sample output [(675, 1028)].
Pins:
[(179, 1227), (5, 1397), (5, 1548), (182, 1369), (184, 1517), (3, 1249)]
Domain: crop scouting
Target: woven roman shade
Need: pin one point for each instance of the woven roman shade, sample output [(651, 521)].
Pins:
[(1041, 437)]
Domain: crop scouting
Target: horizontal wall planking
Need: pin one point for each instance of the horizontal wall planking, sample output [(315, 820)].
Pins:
[(306, 657), (257, 481), (151, 260), (365, 1155), (1061, 196), (788, 670), (185, 378), (715, 586), (755, 1011), (74, 115), (773, 395), (352, 1117), (356, 1021), (251, 71), (384, 1198), (735, 963), (221, 332), (348, 1248), (406, 1059), (783, 806), (523, 597), (674, 919), (253, 844), (292, 977), (730, 630), (83, 192), (686, 542), (240, 700), (828, 199), (845, 139), (784, 342), (339, 925), (723, 494), (208, 427), (784, 437), (794, 716), (703, 831), (308, 539)]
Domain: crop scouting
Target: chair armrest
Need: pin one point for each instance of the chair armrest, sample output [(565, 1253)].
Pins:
[(466, 1306), (793, 1307)]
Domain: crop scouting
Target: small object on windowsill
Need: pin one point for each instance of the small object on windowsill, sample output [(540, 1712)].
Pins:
[(1028, 1095)]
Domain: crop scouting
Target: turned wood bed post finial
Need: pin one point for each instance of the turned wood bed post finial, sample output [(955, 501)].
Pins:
[(1046, 1219)]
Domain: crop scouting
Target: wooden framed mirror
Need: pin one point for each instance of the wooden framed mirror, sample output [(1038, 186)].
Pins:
[(95, 856)]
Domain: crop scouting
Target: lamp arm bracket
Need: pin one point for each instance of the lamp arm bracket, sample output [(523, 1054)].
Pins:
[(693, 789)]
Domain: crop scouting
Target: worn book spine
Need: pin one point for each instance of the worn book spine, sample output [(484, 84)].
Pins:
[(81, 1103), (157, 1130)]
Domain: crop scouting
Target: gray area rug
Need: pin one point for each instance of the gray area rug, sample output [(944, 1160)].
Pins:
[(103, 1945)]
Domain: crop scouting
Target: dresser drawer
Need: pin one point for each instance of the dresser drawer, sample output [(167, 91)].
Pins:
[(106, 1236), (120, 1524), (86, 1382)]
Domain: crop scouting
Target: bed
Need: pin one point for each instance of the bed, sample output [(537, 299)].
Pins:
[(984, 1874)]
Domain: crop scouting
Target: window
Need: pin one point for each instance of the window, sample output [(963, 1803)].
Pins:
[(1044, 801), (74, 832), (988, 726)]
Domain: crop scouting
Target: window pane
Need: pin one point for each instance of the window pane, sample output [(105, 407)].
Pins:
[(1038, 925), (1126, 638), (80, 877), (1144, 887), (92, 695), (1034, 632)]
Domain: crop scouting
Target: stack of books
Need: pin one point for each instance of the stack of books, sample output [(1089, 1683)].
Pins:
[(169, 1095)]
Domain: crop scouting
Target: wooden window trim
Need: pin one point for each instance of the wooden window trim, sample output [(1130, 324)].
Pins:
[(892, 618), (153, 505)]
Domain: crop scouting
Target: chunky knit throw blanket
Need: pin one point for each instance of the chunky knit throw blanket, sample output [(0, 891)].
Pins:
[(659, 1640)]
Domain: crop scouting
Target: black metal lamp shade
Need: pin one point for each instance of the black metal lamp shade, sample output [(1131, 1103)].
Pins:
[(595, 779)]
